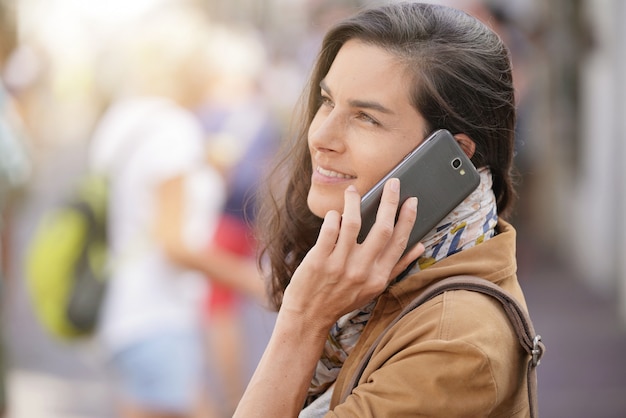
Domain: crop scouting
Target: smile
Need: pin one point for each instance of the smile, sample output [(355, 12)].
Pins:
[(330, 173)]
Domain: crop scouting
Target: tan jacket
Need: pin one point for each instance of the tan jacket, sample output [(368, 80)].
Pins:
[(455, 356)]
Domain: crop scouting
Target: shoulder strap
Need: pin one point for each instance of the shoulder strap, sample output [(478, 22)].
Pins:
[(518, 316)]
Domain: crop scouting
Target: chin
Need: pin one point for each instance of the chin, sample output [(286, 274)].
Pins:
[(316, 209), (319, 206)]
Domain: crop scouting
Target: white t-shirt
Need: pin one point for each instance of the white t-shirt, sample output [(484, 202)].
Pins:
[(141, 143)]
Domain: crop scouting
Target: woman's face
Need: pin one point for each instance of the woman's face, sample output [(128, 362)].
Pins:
[(365, 124)]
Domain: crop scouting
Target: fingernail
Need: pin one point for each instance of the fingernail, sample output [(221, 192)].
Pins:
[(351, 188), (413, 203), (394, 183)]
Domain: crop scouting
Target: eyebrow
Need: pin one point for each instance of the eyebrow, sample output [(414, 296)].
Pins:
[(360, 103)]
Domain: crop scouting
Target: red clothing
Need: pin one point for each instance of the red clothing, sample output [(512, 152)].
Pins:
[(234, 235)]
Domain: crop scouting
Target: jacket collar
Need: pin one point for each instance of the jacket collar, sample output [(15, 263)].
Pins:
[(493, 260)]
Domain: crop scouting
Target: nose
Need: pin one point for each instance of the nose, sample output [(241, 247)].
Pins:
[(327, 132)]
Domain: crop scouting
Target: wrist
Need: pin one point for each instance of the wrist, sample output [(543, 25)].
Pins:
[(303, 326)]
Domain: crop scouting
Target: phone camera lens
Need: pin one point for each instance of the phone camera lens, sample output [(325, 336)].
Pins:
[(456, 163)]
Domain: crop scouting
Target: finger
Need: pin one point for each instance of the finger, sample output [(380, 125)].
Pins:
[(350, 220), (383, 228), (411, 255), (398, 242), (329, 233)]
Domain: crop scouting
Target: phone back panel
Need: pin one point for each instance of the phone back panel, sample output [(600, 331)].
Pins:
[(441, 176)]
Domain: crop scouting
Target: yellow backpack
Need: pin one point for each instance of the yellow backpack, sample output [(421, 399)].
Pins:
[(66, 262)]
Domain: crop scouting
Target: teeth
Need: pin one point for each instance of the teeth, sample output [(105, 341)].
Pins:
[(329, 173)]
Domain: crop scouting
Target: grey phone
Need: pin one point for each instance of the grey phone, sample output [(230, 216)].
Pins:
[(438, 172)]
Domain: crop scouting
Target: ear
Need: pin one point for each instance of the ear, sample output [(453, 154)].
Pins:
[(467, 145)]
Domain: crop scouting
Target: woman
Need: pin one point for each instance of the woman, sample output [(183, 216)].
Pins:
[(384, 80)]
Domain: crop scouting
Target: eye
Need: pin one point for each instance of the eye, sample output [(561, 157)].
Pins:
[(367, 118), (326, 101)]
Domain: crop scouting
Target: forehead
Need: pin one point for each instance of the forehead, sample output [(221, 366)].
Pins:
[(368, 68)]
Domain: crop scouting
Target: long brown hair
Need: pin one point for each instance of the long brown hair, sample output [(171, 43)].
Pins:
[(460, 80)]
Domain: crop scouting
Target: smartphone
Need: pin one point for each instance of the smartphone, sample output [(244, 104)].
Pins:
[(438, 172)]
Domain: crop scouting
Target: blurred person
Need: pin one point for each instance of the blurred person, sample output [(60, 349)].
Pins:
[(15, 169), (242, 134), (165, 201), (383, 81), (24, 75), (15, 163)]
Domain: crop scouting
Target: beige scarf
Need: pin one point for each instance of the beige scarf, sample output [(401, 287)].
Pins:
[(469, 224)]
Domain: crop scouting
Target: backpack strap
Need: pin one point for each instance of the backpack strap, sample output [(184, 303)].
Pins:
[(530, 342)]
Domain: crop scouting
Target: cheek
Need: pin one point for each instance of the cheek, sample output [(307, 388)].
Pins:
[(381, 160), (376, 166)]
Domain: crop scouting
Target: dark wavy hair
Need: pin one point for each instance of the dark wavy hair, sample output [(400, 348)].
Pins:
[(460, 79)]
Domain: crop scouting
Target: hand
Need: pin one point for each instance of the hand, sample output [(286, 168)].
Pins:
[(339, 275)]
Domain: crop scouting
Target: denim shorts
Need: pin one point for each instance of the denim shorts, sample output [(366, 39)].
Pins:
[(161, 373)]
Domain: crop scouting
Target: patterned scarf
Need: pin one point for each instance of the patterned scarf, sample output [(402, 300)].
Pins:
[(469, 224)]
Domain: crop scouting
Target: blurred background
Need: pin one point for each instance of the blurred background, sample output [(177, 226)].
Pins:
[(61, 61)]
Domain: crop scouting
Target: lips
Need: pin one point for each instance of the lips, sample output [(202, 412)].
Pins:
[(333, 174)]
